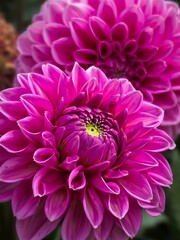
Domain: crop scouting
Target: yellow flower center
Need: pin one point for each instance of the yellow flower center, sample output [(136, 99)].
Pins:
[(93, 130)]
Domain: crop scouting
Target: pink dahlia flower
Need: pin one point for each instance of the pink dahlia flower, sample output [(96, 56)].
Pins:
[(80, 151), (136, 39)]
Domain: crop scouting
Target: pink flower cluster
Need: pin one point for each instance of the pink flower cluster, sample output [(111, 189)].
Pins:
[(136, 39), (78, 150)]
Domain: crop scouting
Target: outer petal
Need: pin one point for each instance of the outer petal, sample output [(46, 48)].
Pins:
[(93, 207), (132, 221), (35, 227), (137, 186), (76, 225), (57, 203), (24, 204)]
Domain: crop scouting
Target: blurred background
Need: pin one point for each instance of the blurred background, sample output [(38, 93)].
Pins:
[(166, 227)]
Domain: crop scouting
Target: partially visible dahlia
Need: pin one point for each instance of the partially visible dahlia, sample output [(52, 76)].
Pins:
[(8, 53), (136, 39), (83, 150)]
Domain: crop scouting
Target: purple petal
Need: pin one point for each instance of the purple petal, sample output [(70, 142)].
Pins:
[(137, 186), (119, 32), (108, 187), (32, 128), (35, 32), (54, 31), (24, 204), (46, 181), (13, 110), (117, 233), (107, 11), (46, 157), (36, 105), (75, 225), (133, 17), (132, 221), (77, 10), (81, 34), (24, 43), (14, 141), (6, 191), (35, 227), (99, 28), (118, 205), (56, 204), (102, 232), (17, 168), (85, 56), (93, 207), (77, 179), (161, 174), (62, 50)]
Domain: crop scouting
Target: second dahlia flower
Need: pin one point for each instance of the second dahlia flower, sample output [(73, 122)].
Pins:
[(136, 39), (83, 150)]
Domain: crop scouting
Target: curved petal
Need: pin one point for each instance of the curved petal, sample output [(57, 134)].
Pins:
[(24, 204), (93, 207), (56, 204), (75, 225), (35, 227)]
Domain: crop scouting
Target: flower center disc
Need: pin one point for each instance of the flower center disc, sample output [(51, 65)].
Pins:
[(93, 130)]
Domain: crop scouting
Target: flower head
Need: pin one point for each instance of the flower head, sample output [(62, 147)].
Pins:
[(84, 150), (8, 53), (136, 39)]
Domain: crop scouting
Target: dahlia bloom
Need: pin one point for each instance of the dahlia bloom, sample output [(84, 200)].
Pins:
[(136, 39), (83, 150)]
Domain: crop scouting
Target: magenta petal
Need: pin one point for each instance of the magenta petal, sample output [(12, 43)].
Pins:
[(46, 157), (155, 68), (132, 106), (102, 232), (137, 186), (61, 51), (32, 128), (13, 110), (85, 56), (99, 28), (77, 10), (56, 204), (6, 191), (17, 168), (78, 72), (107, 11), (24, 204), (134, 18), (46, 181), (24, 43), (14, 141), (36, 105), (116, 233), (93, 207), (81, 34), (103, 186), (35, 32), (119, 32), (132, 221), (77, 179), (76, 225), (53, 32), (40, 53), (35, 227), (118, 205), (165, 178)]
